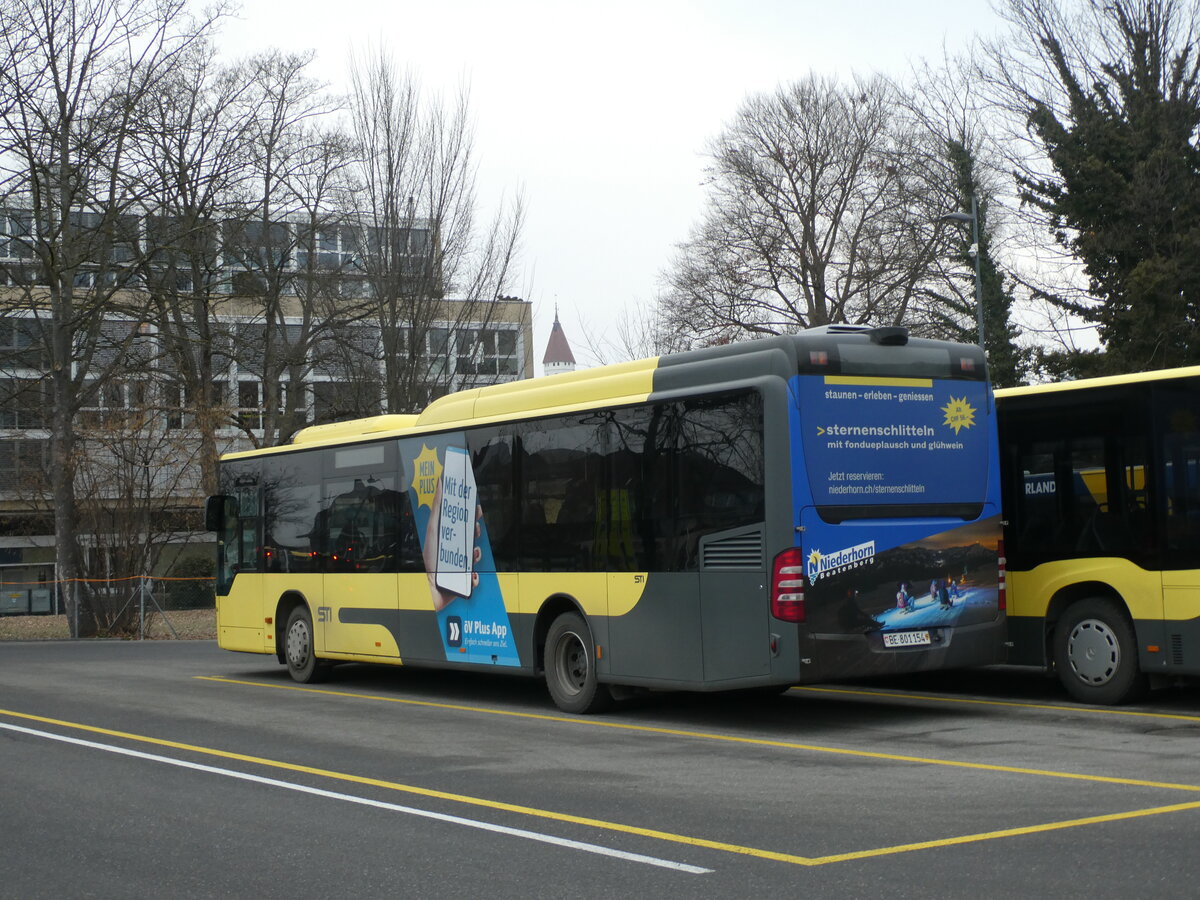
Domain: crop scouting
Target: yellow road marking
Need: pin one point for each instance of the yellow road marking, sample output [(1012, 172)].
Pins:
[(1007, 832), (725, 738), (934, 698), (417, 791), (654, 834)]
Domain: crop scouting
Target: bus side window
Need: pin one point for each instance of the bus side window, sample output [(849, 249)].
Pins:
[(1037, 497), (222, 517), (291, 514), (618, 534), (247, 529), (1181, 488), (409, 542), (492, 460), (1082, 495), (719, 468), (561, 464), (1088, 496), (636, 514), (362, 524), (236, 517)]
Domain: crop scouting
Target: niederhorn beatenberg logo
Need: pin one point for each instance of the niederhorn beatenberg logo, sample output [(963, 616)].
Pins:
[(831, 563)]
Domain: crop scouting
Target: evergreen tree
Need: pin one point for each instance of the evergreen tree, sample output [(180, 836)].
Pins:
[(1006, 360), (1120, 131)]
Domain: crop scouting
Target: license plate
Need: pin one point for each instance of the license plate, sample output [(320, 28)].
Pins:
[(906, 639)]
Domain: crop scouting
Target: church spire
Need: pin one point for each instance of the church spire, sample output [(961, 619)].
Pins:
[(559, 357)]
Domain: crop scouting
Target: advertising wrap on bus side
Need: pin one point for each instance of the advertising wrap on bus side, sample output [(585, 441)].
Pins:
[(452, 527), (891, 550)]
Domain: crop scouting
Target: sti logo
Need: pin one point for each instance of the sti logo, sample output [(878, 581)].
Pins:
[(454, 631)]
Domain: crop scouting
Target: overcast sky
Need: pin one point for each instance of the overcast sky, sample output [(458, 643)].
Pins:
[(600, 114)]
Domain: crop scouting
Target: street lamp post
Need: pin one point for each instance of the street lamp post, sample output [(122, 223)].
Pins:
[(973, 218)]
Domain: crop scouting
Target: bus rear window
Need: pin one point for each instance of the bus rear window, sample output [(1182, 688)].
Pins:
[(858, 357)]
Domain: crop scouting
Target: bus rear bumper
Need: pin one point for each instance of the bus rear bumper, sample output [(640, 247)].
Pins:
[(864, 655)]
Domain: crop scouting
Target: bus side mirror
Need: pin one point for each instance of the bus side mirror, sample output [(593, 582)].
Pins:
[(216, 509)]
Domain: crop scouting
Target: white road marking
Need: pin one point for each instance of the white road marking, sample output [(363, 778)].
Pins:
[(366, 801)]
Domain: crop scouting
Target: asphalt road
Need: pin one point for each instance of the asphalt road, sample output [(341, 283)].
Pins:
[(176, 769)]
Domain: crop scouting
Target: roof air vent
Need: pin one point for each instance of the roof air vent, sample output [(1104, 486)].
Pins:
[(893, 336)]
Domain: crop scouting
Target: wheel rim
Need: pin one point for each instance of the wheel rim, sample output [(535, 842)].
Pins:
[(571, 663), (299, 644), (1094, 652)]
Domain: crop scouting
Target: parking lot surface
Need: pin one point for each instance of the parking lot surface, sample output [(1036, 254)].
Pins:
[(162, 767)]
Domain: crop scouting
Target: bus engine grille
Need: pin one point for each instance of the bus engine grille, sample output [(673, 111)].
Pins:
[(738, 551)]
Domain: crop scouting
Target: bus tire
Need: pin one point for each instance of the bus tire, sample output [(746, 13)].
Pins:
[(570, 667), (299, 649), (1095, 652)]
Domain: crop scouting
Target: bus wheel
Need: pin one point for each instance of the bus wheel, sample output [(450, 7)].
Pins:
[(1095, 652), (571, 667), (299, 649)]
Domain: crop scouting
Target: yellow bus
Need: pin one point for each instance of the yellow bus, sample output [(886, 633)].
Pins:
[(793, 509), (1102, 534)]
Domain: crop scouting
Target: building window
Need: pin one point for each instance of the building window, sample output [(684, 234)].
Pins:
[(112, 240), (248, 284), (250, 408), (250, 245), (252, 403), (506, 352), (16, 235), (487, 351), (117, 402), (469, 352), (179, 403), (23, 403), (21, 344), (437, 358), (322, 248), (336, 401), (22, 465)]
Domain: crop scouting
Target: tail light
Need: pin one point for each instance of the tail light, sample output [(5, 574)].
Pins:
[(787, 586), (1002, 568)]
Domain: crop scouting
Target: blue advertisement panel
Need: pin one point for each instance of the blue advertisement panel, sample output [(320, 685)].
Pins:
[(452, 528), (905, 449), (874, 441)]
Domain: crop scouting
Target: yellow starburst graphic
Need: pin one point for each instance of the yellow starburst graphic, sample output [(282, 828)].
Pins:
[(959, 414), (814, 559), (427, 472)]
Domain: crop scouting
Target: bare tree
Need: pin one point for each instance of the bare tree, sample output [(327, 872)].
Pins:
[(288, 156), (642, 330), (817, 213), (963, 169), (330, 288), (72, 76), (132, 504), (432, 271), (193, 153)]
